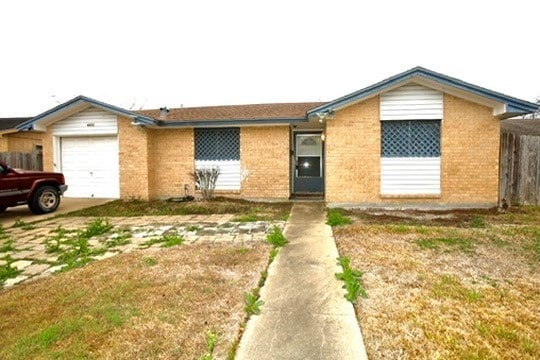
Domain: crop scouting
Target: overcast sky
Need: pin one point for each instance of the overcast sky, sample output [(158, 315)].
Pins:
[(149, 54)]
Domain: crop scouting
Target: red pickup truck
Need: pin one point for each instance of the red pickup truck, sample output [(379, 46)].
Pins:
[(40, 190)]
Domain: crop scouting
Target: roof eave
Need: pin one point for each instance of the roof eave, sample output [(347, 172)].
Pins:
[(513, 111), (362, 93), (75, 103), (144, 120), (422, 73), (7, 131), (206, 123)]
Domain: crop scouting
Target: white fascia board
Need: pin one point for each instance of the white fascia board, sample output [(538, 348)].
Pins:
[(499, 110)]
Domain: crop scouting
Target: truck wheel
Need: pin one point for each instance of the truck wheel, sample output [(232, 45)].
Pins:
[(45, 200)]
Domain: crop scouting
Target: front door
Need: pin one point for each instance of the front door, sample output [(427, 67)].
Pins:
[(308, 163)]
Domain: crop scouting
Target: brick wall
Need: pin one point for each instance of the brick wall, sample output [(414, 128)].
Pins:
[(470, 153), (48, 151), (469, 159), (172, 163), (264, 154), (133, 144), (353, 156), (21, 141), (170, 155)]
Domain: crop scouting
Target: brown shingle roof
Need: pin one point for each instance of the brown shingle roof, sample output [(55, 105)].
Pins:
[(10, 123), (236, 112)]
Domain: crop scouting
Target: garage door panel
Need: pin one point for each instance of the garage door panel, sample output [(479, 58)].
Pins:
[(90, 165)]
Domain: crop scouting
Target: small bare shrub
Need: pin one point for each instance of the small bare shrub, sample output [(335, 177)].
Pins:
[(205, 179)]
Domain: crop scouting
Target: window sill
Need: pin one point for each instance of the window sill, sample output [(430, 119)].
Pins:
[(411, 196)]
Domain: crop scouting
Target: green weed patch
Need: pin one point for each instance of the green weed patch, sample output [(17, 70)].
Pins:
[(352, 279), (336, 218)]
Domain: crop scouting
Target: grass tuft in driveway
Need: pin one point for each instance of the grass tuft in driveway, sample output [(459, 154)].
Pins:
[(7, 271), (73, 248)]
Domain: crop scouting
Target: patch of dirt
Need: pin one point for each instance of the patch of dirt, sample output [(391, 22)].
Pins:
[(414, 215), (458, 218), (219, 205)]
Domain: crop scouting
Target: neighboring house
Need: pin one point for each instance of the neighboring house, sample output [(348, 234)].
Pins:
[(417, 139), (11, 140)]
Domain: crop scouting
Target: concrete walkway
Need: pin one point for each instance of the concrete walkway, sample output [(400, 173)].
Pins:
[(305, 315)]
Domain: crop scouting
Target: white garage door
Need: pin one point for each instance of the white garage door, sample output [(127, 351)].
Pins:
[(90, 165)]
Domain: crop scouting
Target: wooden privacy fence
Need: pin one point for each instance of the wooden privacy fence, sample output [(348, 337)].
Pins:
[(520, 169), (19, 160)]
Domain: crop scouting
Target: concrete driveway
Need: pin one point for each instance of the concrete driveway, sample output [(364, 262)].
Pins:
[(22, 212)]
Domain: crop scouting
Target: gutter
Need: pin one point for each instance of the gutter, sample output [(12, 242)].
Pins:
[(205, 123)]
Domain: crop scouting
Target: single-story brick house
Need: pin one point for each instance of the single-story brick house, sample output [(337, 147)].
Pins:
[(12, 140), (419, 138)]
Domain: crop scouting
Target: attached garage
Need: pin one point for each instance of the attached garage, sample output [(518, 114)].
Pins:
[(90, 165), (86, 151)]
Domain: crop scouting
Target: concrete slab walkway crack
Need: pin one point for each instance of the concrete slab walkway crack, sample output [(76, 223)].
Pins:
[(305, 315)]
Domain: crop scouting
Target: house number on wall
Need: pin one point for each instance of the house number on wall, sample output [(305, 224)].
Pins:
[(90, 125)]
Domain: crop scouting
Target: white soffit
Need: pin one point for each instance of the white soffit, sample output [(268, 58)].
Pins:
[(41, 124)]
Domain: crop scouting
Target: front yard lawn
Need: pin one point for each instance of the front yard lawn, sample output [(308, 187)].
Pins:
[(153, 303), (447, 285), (244, 210)]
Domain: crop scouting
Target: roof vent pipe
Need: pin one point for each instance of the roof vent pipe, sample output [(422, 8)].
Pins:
[(163, 112)]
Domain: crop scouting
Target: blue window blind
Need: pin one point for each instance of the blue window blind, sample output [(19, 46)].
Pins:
[(217, 144), (411, 138)]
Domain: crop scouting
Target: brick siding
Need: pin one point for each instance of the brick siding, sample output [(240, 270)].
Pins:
[(171, 162), (469, 156), (25, 141), (133, 145), (48, 151), (470, 137), (353, 153), (264, 155)]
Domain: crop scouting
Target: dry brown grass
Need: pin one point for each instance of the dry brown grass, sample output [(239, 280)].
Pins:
[(143, 304), (450, 291)]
